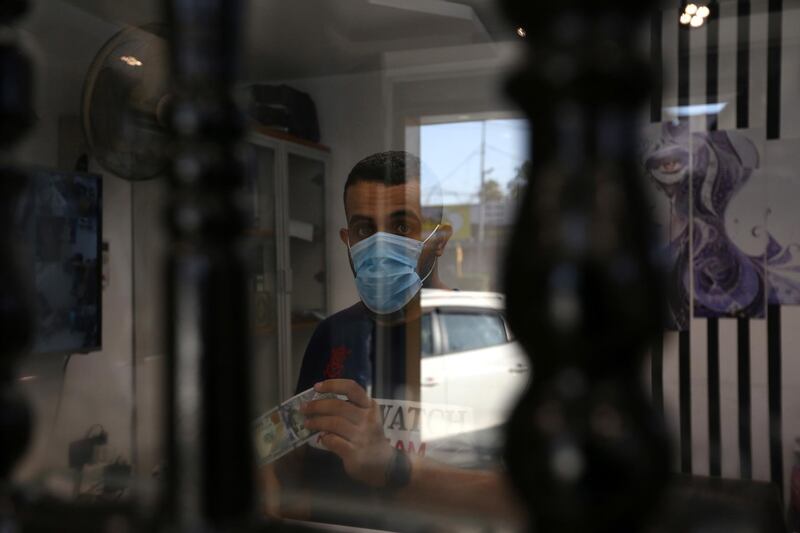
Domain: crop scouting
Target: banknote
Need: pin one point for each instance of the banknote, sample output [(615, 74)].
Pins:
[(272, 440), (294, 420), (282, 429)]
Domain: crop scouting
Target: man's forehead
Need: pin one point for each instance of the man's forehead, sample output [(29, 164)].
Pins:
[(375, 198)]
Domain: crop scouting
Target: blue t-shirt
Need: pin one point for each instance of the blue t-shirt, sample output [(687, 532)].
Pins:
[(343, 347)]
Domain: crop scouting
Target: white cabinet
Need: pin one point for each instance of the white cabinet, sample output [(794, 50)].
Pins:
[(288, 274)]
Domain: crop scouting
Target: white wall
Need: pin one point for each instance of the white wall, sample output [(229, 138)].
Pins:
[(97, 387), (790, 335)]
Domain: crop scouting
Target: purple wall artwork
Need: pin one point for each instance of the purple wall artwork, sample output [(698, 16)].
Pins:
[(696, 178)]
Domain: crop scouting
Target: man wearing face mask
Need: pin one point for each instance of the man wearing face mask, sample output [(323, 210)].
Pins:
[(392, 257)]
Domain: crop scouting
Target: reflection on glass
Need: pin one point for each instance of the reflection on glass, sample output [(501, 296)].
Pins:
[(386, 404), (480, 165), (307, 270), (422, 247), (262, 249)]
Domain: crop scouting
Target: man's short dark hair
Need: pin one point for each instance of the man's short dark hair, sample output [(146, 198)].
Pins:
[(390, 168)]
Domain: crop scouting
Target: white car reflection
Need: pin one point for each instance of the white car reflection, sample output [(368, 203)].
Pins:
[(469, 359)]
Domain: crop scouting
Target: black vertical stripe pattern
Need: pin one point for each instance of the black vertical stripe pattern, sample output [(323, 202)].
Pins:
[(683, 65), (685, 395), (743, 64), (774, 32), (656, 59), (743, 323), (684, 351), (657, 373), (774, 69), (712, 63), (745, 433), (712, 95), (714, 423), (774, 395)]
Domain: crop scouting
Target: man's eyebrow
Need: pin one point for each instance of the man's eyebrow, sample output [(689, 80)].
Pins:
[(406, 213), (360, 218)]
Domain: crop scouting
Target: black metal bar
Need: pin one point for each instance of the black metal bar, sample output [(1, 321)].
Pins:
[(16, 326), (774, 387), (210, 473), (685, 399), (712, 64), (683, 65), (714, 424), (656, 60), (587, 400), (743, 323), (743, 64), (774, 391), (684, 345), (712, 95), (657, 373), (774, 69), (745, 426)]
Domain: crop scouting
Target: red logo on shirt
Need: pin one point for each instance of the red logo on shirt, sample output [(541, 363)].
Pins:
[(335, 366)]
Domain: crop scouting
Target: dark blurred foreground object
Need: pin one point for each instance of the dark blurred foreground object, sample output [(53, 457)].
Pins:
[(585, 449), (694, 504), (210, 482), (16, 96), (16, 330), (284, 108)]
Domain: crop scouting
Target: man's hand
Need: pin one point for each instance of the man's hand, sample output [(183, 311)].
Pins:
[(352, 430)]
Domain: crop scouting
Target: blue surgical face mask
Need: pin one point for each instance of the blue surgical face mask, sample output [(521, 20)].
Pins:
[(386, 270)]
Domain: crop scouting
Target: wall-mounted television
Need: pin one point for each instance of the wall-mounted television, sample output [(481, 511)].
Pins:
[(59, 228)]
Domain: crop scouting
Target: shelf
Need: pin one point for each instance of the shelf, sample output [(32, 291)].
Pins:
[(284, 136), (260, 233), (305, 324)]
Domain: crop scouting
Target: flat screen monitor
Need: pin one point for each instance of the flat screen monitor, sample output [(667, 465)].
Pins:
[(59, 229)]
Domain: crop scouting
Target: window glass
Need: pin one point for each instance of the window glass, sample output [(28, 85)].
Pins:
[(426, 335), (474, 170), (385, 167), (472, 331)]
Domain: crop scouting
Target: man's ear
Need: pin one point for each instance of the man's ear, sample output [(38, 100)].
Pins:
[(343, 234), (443, 235)]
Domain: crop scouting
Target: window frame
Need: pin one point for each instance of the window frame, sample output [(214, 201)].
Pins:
[(444, 343), (437, 335)]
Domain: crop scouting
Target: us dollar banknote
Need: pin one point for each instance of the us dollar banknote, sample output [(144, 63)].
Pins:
[(282, 429)]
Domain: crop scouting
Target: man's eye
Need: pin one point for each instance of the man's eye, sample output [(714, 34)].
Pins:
[(403, 229), (363, 232)]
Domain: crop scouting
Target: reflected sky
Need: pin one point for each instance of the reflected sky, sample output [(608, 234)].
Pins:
[(452, 153)]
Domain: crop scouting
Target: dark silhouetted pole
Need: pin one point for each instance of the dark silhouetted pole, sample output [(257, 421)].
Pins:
[(210, 470), (16, 327), (585, 449)]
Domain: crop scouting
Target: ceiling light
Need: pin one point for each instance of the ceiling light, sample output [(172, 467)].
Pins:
[(686, 18), (703, 11), (691, 9), (131, 61), (697, 21), (521, 32)]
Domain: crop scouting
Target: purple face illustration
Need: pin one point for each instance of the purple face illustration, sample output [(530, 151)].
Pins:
[(698, 174)]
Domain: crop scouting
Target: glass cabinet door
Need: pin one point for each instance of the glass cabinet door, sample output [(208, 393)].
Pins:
[(261, 249), (306, 192)]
